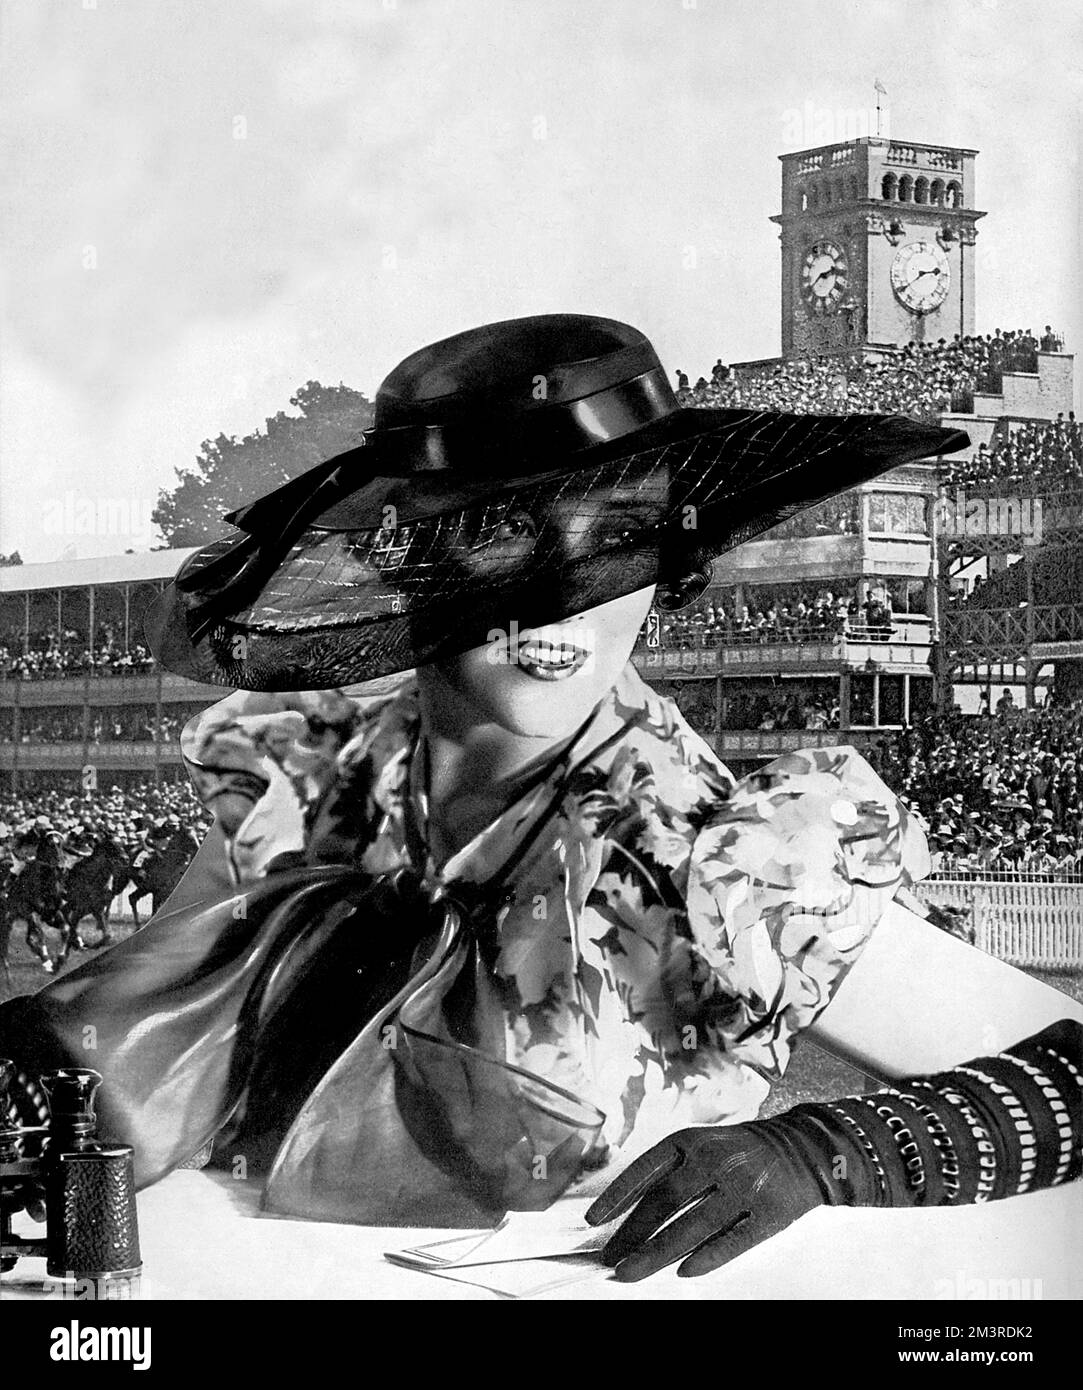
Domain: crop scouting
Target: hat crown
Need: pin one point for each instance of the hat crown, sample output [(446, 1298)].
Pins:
[(510, 367)]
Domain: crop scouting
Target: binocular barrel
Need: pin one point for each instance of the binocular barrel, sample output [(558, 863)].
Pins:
[(88, 1184), (91, 1225)]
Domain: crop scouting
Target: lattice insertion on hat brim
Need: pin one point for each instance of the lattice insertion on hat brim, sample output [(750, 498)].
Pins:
[(346, 597)]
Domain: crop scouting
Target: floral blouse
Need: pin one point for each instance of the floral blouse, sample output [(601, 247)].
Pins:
[(667, 931)]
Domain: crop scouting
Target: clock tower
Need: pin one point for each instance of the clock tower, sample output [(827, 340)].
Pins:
[(878, 241)]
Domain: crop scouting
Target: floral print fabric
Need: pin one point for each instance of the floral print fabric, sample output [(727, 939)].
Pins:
[(667, 933)]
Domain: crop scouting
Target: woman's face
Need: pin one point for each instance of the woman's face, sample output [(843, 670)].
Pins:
[(543, 682)]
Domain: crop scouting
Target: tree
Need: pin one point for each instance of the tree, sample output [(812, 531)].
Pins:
[(230, 472), (13, 559)]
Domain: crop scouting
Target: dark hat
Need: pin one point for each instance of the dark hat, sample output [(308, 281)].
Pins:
[(524, 471)]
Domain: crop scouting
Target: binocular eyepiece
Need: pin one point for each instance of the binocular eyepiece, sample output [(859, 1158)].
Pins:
[(84, 1185)]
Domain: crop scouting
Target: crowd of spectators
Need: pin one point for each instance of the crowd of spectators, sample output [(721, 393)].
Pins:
[(125, 814), (1055, 578), (923, 379), (51, 653), (781, 710), (122, 723), (1044, 456), (1000, 791), (811, 616)]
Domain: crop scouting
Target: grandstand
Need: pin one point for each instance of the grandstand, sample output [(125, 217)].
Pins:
[(82, 703)]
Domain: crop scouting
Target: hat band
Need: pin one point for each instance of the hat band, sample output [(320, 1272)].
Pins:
[(533, 434)]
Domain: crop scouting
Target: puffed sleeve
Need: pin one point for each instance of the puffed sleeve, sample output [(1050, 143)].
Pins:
[(258, 761), (787, 880)]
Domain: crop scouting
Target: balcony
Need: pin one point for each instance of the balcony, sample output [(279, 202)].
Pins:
[(771, 743), (928, 157), (904, 649)]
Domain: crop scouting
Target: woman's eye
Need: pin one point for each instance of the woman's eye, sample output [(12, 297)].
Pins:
[(515, 527), (622, 532)]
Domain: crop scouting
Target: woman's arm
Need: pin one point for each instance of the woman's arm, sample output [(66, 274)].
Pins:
[(920, 1000)]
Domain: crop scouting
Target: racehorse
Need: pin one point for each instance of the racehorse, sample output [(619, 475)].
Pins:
[(158, 871), (93, 882), (36, 897)]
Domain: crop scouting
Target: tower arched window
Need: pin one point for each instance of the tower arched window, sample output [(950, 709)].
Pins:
[(813, 196), (921, 190), (906, 188), (827, 192), (855, 188), (889, 188), (936, 193), (954, 195), (840, 190)]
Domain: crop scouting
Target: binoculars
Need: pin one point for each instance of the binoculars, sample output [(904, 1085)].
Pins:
[(86, 1186)]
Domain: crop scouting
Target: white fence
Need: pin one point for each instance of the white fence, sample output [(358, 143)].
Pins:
[(1023, 919)]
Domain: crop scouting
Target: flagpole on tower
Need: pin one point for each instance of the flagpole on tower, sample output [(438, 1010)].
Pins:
[(880, 90)]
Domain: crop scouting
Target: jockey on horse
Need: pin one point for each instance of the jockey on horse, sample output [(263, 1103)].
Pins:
[(35, 892), (157, 869), (98, 870)]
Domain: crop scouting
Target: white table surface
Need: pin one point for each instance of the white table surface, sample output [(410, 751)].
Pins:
[(203, 1237)]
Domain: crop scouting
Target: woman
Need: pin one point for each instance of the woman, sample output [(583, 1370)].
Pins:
[(516, 924)]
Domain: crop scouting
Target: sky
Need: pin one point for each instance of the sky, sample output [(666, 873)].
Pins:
[(209, 202)]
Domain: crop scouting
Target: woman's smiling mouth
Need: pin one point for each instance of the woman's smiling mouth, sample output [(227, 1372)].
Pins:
[(549, 661)]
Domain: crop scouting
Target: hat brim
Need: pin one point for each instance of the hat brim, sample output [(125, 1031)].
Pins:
[(331, 585)]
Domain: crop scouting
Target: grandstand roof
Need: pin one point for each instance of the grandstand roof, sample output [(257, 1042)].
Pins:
[(96, 569)]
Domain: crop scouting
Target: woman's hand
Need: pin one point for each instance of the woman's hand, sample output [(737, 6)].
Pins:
[(734, 1185), (990, 1128)]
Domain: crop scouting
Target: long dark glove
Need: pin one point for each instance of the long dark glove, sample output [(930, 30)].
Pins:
[(987, 1129)]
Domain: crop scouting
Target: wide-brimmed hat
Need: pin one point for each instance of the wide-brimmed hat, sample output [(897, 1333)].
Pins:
[(518, 473)]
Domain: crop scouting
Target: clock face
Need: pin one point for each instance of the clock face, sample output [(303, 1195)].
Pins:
[(920, 276), (824, 276)]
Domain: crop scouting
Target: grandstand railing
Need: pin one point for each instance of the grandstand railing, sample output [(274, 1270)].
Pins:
[(701, 654), (71, 754), (104, 673), (1060, 622), (912, 629), (1024, 921), (1005, 633), (129, 688), (771, 742)]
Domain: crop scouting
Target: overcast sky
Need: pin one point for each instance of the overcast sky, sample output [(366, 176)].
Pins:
[(209, 202)]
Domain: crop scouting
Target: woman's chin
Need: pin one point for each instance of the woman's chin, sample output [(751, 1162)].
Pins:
[(546, 705), (540, 704)]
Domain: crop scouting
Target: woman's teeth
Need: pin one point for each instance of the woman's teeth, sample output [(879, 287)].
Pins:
[(549, 661)]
